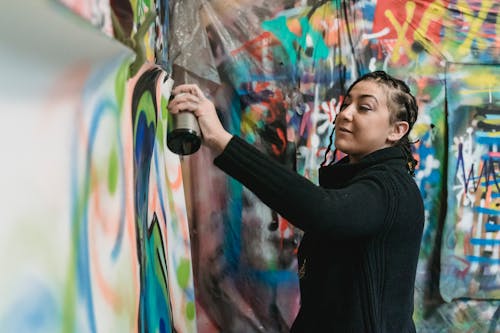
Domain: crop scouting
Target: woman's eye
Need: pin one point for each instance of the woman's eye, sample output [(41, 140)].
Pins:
[(365, 108)]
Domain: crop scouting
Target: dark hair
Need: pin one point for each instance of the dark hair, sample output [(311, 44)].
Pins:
[(402, 105)]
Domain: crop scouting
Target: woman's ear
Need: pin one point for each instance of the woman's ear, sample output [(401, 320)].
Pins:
[(399, 129)]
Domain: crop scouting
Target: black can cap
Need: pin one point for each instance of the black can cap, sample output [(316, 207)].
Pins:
[(183, 141)]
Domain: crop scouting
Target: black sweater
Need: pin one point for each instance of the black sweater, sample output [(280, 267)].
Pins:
[(362, 230)]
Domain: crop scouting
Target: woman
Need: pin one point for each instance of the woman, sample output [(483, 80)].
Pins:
[(362, 225)]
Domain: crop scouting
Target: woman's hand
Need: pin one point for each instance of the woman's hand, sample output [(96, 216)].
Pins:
[(190, 98)]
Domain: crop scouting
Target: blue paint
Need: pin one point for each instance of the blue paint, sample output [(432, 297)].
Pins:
[(488, 211), (487, 140), (160, 186), (83, 255), (490, 227), (35, 309), (154, 307), (483, 260), (482, 241)]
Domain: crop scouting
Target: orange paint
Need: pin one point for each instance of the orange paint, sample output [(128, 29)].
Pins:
[(177, 182), (111, 297), (294, 27)]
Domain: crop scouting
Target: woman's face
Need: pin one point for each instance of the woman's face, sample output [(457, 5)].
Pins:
[(363, 125)]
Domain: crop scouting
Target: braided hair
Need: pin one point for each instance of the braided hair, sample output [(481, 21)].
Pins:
[(402, 105)]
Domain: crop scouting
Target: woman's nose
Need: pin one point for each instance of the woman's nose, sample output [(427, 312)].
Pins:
[(347, 112)]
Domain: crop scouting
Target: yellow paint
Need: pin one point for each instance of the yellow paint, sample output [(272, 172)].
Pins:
[(150, 55), (483, 81), (320, 16), (492, 122), (401, 30), (435, 12), (475, 23)]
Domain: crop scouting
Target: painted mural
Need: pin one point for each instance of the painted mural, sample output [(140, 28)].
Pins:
[(470, 252), (108, 249), (128, 218), (158, 243)]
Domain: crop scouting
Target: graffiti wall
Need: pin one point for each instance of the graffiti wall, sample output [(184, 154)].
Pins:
[(469, 256), (140, 240), (95, 235)]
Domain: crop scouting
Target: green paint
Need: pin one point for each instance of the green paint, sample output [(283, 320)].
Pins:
[(320, 49), (120, 83), (147, 107), (160, 135), (69, 301), (288, 39), (183, 273), (138, 42), (279, 28), (70, 295), (160, 128), (113, 170), (155, 306), (190, 310), (164, 104), (135, 9)]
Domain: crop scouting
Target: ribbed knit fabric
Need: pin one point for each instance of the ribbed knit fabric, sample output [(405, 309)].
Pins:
[(362, 232)]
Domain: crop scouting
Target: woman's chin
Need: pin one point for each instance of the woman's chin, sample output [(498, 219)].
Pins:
[(342, 145)]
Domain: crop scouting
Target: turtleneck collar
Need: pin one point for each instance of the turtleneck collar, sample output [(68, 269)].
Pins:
[(338, 174)]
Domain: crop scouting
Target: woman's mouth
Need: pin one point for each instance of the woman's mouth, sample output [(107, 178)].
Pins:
[(344, 130)]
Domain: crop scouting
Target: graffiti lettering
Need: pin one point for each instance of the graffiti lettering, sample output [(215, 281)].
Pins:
[(475, 23), (428, 29), (434, 13), (488, 171), (401, 30)]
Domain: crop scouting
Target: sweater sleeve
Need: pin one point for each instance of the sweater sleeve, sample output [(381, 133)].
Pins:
[(357, 210)]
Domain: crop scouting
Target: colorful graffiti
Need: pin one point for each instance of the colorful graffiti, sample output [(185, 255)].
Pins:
[(126, 192), (162, 244), (112, 246), (470, 253)]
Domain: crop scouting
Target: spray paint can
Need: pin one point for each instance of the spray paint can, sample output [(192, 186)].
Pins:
[(183, 131)]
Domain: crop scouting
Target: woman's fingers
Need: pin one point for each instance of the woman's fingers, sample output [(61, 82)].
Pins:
[(185, 106), (184, 101), (199, 93), (192, 89), (189, 97)]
